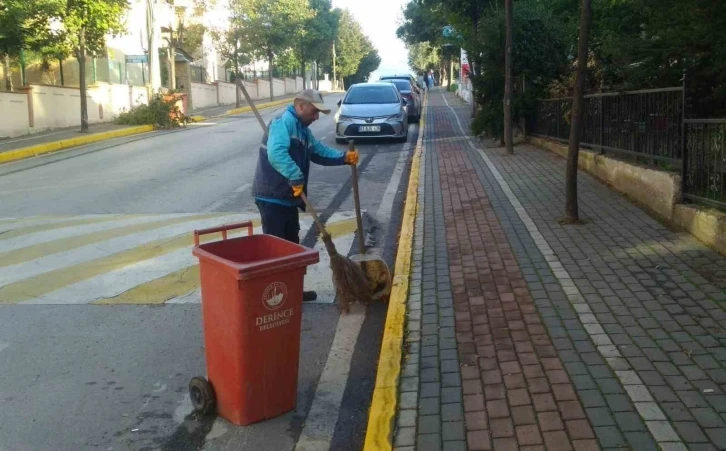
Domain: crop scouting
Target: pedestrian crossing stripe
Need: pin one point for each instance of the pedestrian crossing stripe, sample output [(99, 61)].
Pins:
[(129, 259)]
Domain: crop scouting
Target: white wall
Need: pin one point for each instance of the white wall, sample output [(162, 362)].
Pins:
[(14, 119), (264, 89), (226, 93), (290, 85), (56, 107), (203, 95), (299, 86), (279, 87)]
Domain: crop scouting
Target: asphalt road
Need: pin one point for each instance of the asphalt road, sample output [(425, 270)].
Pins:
[(77, 376)]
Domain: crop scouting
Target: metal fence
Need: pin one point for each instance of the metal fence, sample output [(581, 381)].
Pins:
[(704, 165), (645, 123), (649, 124)]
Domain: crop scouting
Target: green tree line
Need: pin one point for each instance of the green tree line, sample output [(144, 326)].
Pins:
[(633, 44)]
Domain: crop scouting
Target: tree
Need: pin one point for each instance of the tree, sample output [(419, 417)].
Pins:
[(271, 27), (422, 57), (571, 207), (508, 135), (318, 34), (24, 25), (368, 64), (539, 49), (351, 47), (85, 26)]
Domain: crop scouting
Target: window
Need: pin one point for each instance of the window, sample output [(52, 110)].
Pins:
[(371, 95)]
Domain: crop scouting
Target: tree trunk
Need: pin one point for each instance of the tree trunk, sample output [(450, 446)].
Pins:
[(508, 136), (571, 210), (8, 75), (82, 79), (63, 80), (451, 71), (172, 66), (269, 75), (236, 73), (302, 74)]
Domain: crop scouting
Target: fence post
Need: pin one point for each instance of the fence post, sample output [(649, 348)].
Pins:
[(684, 140), (602, 122)]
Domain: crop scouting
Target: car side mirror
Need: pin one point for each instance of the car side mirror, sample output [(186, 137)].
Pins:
[(340, 102)]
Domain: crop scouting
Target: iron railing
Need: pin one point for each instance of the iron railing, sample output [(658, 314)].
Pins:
[(650, 124), (704, 165), (644, 123)]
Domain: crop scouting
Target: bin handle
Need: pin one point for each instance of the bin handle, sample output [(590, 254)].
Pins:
[(223, 228)]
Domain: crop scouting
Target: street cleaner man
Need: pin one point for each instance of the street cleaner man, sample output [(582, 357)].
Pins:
[(283, 167)]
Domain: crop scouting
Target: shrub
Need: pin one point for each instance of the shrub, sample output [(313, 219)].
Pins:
[(161, 112)]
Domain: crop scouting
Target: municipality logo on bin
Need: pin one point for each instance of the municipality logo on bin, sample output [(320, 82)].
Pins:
[(274, 295)]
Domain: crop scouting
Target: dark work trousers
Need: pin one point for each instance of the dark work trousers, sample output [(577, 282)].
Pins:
[(280, 220)]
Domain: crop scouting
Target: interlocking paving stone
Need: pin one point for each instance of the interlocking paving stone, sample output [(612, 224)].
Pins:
[(623, 305)]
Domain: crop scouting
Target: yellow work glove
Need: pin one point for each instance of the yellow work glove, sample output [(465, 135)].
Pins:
[(351, 157), (297, 190)]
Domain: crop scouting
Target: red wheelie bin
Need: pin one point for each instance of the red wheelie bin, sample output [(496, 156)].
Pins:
[(252, 288)]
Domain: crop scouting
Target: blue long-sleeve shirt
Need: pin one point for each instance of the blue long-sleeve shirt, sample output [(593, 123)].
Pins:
[(285, 156)]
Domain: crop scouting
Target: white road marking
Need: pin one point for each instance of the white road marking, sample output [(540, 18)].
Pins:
[(383, 214), (25, 270), (320, 422), (71, 231), (323, 415)]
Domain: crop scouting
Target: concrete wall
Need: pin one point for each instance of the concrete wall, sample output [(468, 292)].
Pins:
[(290, 86), (14, 113), (263, 86), (279, 87), (299, 84), (706, 224), (203, 95), (226, 93), (49, 107), (56, 107), (658, 192)]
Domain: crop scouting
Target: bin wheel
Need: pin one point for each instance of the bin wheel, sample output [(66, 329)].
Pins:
[(201, 394)]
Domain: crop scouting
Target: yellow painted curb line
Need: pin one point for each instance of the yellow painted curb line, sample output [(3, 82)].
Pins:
[(382, 414), (40, 149), (247, 109)]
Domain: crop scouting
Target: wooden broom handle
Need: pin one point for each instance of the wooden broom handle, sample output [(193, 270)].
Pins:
[(356, 198), (318, 224), (242, 88)]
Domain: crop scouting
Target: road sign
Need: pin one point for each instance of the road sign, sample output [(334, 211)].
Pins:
[(136, 59)]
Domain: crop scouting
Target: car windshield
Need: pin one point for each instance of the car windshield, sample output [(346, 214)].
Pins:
[(371, 94), (402, 85)]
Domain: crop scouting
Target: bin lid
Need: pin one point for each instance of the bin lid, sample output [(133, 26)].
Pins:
[(256, 255)]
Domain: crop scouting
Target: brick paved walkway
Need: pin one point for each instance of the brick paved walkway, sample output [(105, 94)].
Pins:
[(525, 334)]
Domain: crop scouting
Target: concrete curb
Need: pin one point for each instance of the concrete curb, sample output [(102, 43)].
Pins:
[(55, 146), (382, 414)]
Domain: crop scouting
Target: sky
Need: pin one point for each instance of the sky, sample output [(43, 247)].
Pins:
[(382, 16)]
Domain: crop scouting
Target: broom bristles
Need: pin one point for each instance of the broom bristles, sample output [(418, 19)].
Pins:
[(350, 282)]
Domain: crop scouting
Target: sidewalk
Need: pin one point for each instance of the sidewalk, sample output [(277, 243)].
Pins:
[(523, 334), (19, 142)]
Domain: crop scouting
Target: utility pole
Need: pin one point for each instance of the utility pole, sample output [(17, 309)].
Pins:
[(153, 45), (334, 79), (508, 136)]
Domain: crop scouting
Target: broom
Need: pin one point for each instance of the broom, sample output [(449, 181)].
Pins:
[(349, 280)]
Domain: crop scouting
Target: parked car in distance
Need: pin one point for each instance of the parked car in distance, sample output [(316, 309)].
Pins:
[(408, 77), (409, 93), (371, 110)]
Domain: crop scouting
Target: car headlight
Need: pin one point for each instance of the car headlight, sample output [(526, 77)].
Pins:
[(339, 117), (396, 117)]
